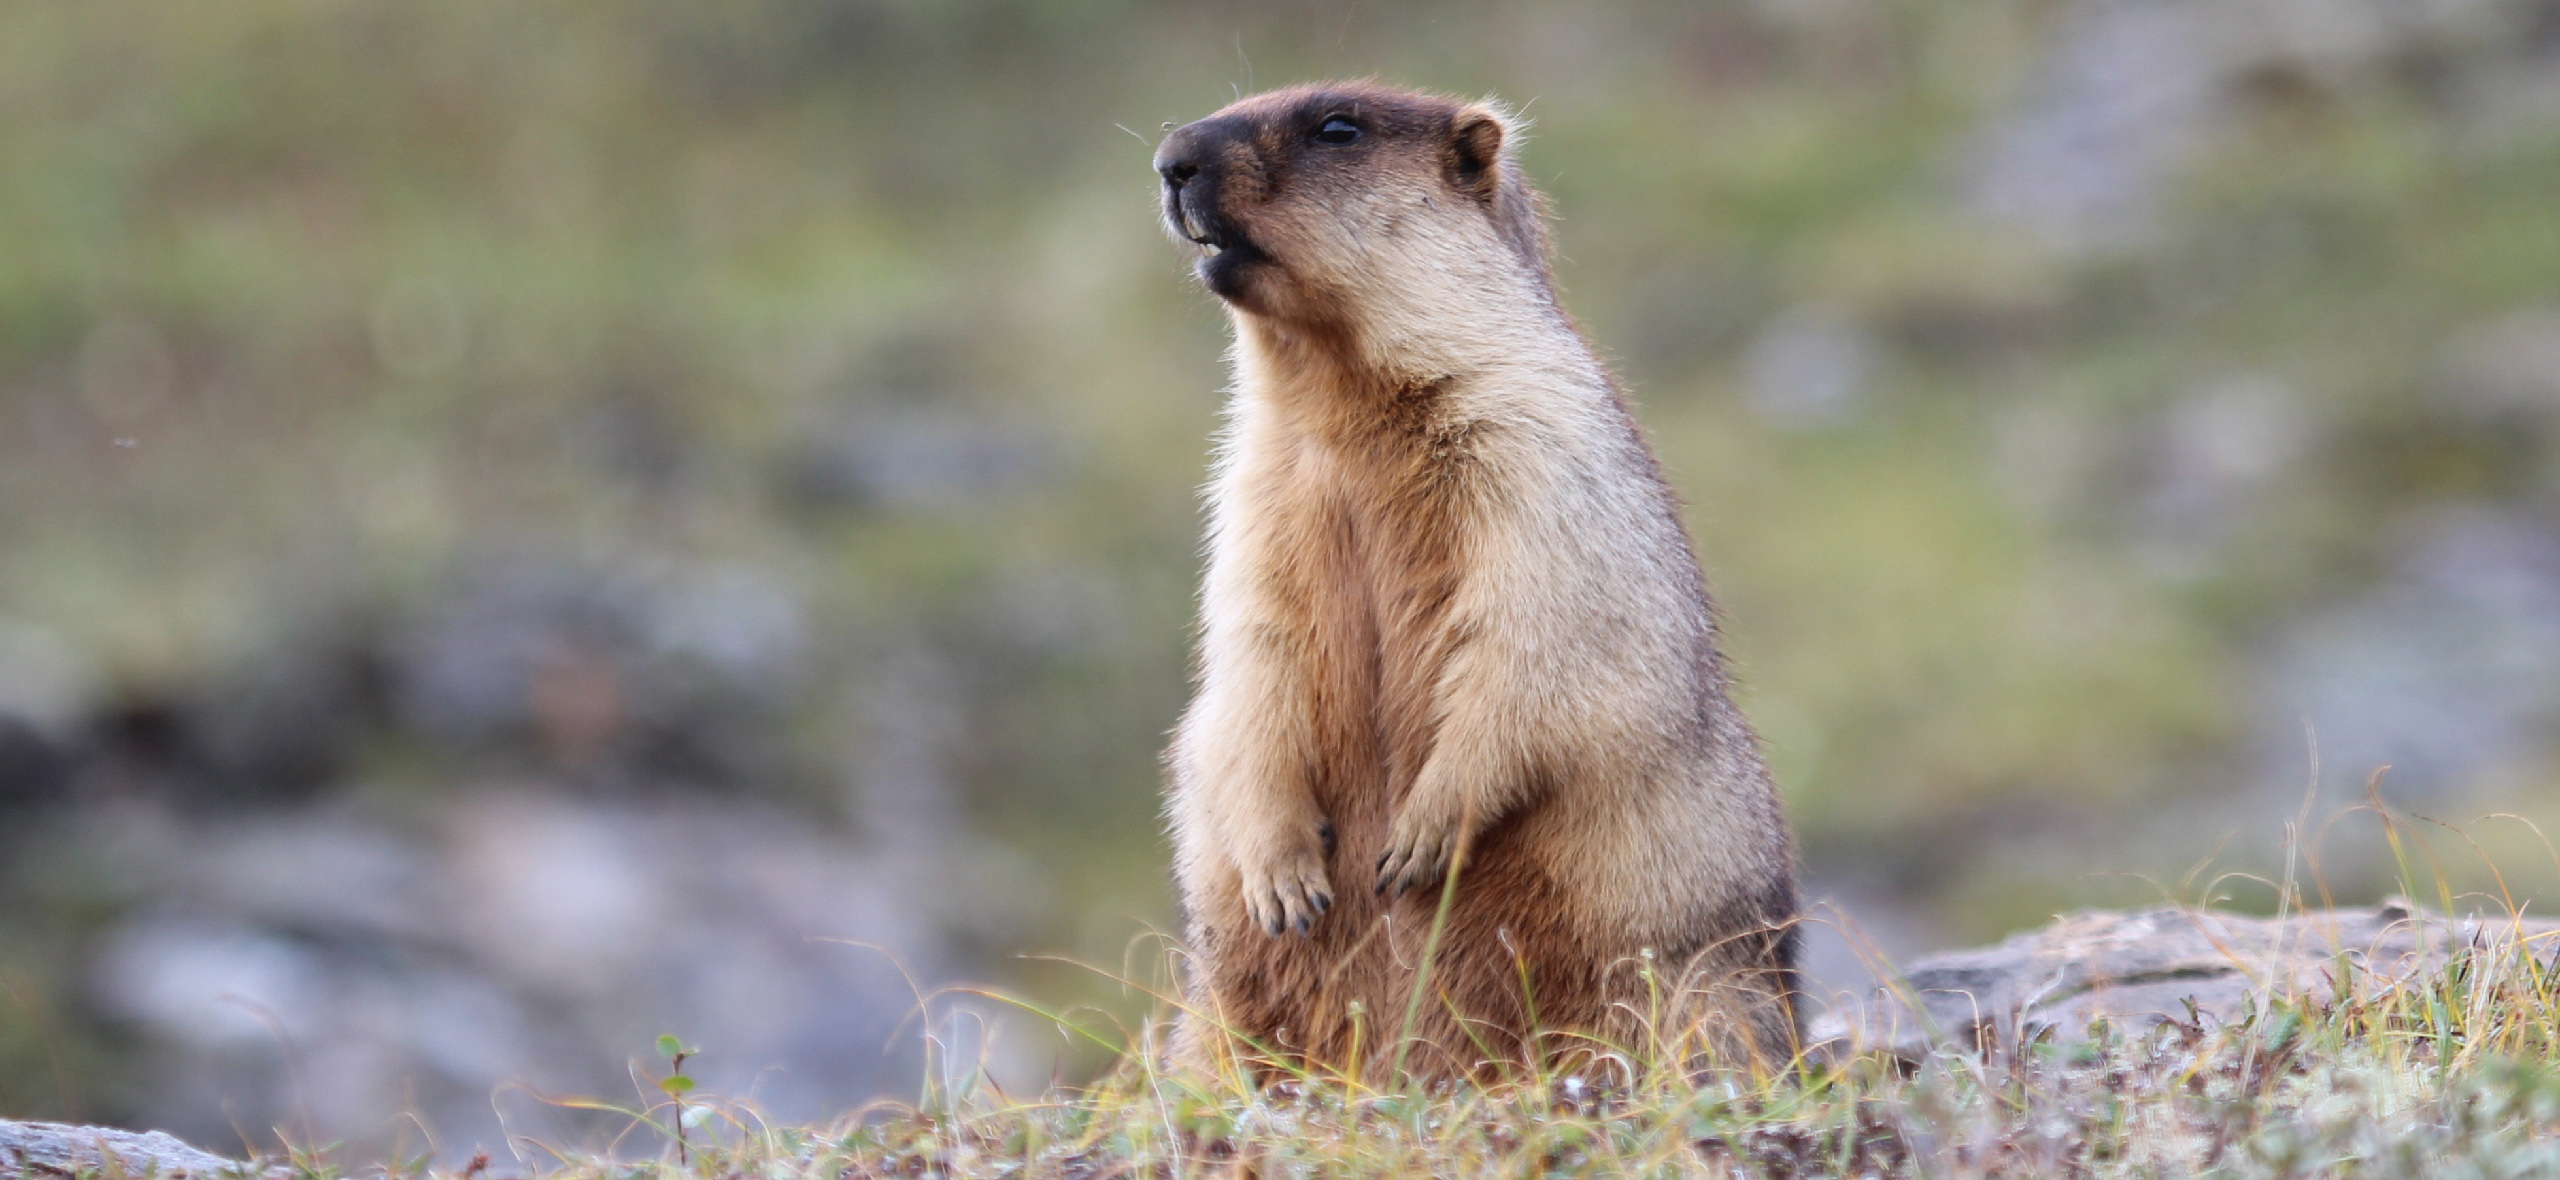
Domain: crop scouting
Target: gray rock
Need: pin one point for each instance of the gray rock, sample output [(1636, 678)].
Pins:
[(54, 1151), (2137, 969), (334, 969)]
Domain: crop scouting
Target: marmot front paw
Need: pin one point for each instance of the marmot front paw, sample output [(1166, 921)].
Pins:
[(1418, 853), (1289, 889)]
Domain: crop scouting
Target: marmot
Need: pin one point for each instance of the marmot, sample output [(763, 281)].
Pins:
[(1451, 623)]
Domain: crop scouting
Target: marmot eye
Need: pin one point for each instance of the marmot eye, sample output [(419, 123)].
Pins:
[(1337, 130)]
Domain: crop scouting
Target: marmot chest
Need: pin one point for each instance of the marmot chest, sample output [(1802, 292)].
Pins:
[(1378, 576)]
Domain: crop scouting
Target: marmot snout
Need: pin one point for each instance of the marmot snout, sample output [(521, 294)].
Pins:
[(1453, 634)]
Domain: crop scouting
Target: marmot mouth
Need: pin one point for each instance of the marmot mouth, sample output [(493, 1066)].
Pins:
[(1211, 239), (1203, 229), (1225, 255), (1216, 241)]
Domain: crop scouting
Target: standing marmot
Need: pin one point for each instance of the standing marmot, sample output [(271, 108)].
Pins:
[(1451, 619)]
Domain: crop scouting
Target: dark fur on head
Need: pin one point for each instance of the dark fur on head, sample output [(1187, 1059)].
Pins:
[(1253, 183)]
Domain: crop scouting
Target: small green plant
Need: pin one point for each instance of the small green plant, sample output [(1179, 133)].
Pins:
[(675, 1086)]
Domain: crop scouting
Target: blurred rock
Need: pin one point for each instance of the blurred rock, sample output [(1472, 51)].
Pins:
[(2444, 672), (2129, 90), (911, 461), (629, 673), (33, 767), (1854, 931), (58, 1149), (676, 672), (328, 972), (2146, 967), (2124, 94), (270, 940)]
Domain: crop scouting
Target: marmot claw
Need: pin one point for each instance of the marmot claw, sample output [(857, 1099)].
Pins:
[(1290, 892), (1416, 858)]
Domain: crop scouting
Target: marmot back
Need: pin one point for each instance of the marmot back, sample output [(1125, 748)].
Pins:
[(1454, 641)]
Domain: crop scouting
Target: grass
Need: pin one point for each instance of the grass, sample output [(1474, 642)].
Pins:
[(2381, 1070), (2444, 1073)]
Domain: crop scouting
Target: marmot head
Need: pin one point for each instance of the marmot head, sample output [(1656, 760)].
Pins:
[(1343, 202)]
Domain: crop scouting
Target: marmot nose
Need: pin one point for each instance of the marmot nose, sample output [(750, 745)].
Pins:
[(1185, 153)]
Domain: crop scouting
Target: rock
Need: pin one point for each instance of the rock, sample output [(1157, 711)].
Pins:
[(2141, 968), (56, 1151), (529, 941)]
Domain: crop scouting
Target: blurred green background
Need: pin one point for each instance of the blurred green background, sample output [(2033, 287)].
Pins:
[(524, 527)]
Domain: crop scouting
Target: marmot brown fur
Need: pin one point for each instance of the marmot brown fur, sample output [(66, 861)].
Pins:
[(1451, 624)]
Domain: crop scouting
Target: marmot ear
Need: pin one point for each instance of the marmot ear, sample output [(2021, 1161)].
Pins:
[(1475, 153)]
